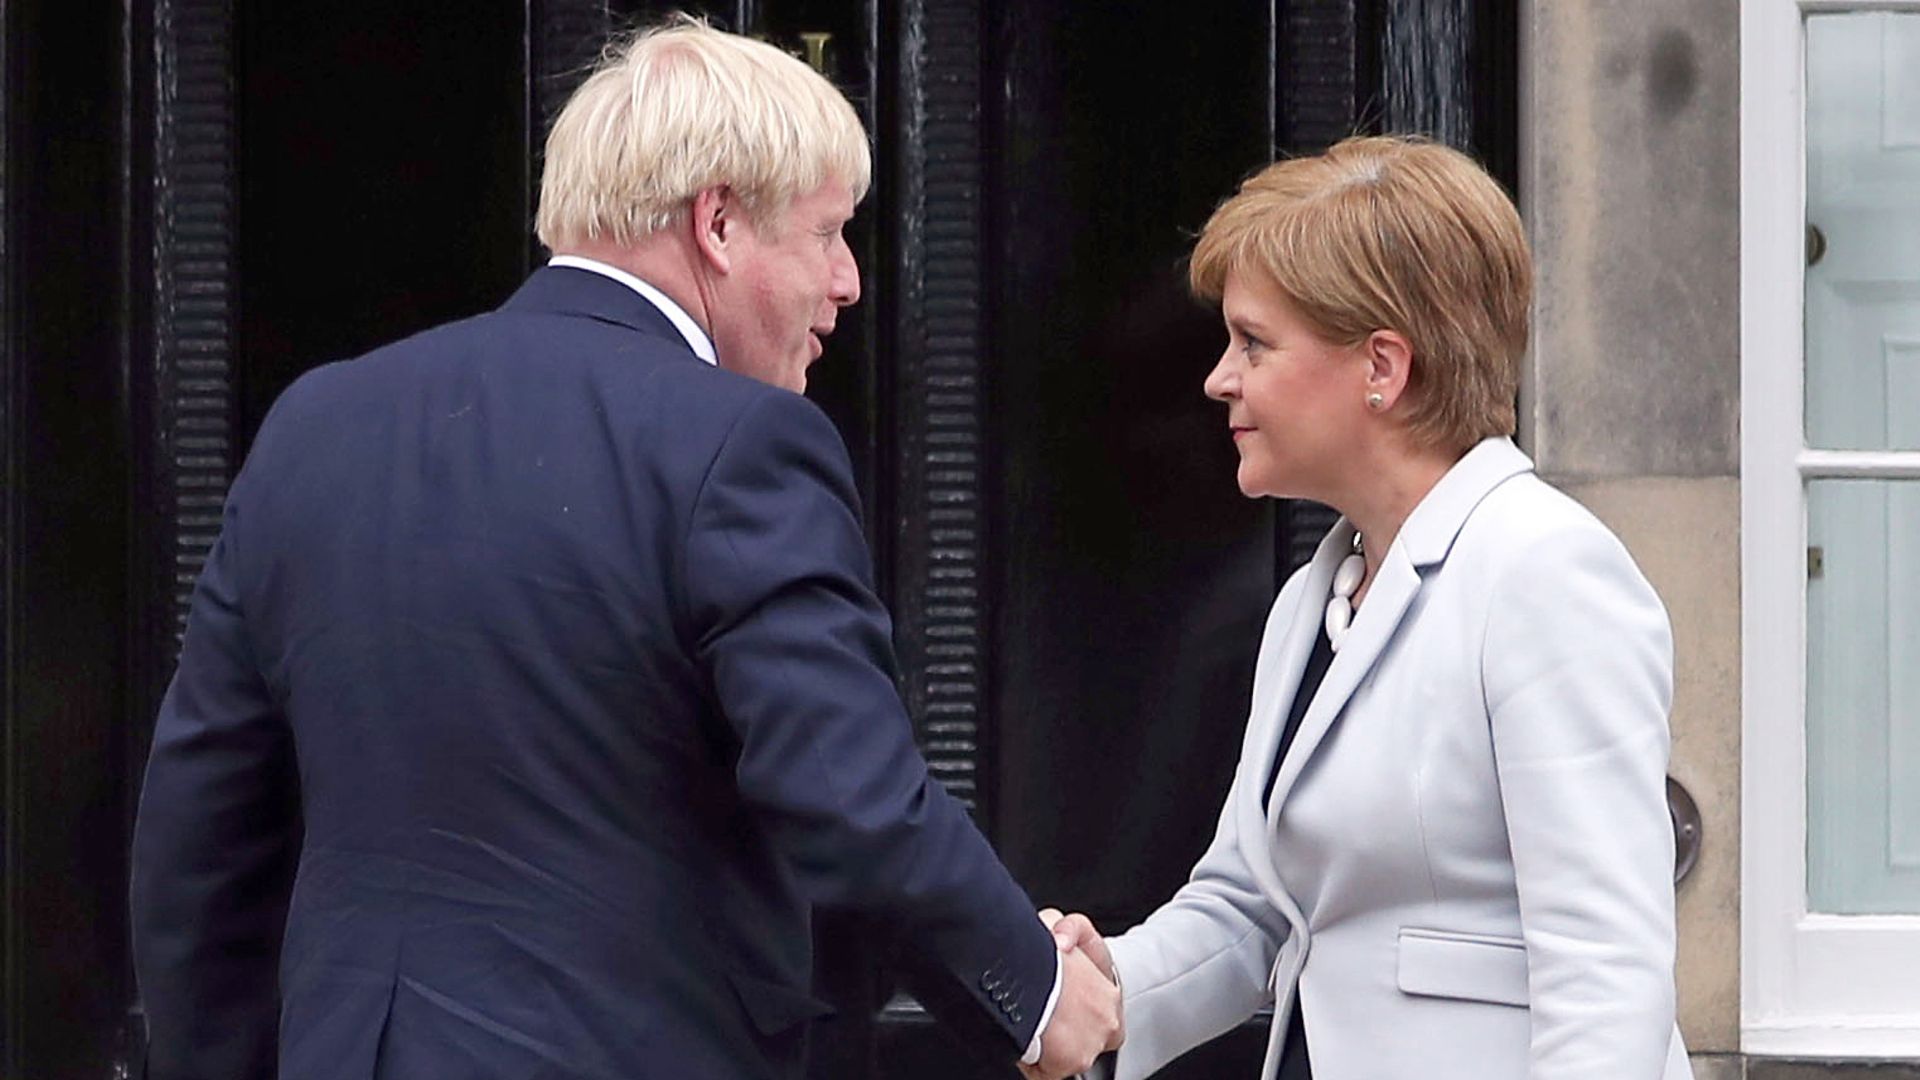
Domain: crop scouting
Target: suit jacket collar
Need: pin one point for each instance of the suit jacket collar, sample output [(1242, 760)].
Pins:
[(566, 290), (1424, 541)]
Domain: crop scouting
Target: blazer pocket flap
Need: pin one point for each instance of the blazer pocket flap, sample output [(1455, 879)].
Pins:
[(1471, 967), (774, 1008)]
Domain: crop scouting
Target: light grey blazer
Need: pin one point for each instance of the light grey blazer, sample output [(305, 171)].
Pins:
[(1466, 872)]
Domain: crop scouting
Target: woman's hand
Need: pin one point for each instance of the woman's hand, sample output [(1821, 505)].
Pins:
[(1081, 948)]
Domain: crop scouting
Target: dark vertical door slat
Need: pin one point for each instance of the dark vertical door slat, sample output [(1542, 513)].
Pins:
[(193, 306), (65, 429), (941, 552), (1424, 79), (182, 375), (1319, 75)]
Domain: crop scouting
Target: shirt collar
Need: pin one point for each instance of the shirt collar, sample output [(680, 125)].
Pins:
[(697, 339)]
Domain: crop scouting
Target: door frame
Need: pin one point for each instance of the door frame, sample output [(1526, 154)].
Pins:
[(1811, 984)]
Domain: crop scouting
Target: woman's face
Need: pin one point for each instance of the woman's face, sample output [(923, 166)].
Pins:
[(1293, 399)]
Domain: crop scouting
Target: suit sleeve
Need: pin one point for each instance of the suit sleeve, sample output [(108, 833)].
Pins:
[(1203, 962), (214, 843), (1578, 672), (799, 653)]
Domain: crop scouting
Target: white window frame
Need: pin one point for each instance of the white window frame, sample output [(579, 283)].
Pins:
[(1811, 984)]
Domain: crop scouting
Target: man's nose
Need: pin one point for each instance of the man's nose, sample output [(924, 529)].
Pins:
[(846, 277)]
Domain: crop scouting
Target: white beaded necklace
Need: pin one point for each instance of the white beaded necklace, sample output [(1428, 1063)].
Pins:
[(1346, 580)]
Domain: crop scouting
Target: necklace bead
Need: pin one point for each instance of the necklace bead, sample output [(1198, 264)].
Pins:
[(1347, 578), (1346, 581)]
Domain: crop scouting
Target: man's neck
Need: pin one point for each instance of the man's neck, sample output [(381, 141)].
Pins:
[(661, 262)]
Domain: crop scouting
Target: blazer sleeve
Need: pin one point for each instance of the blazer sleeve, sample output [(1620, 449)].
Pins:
[(799, 653), (1203, 962), (1578, 672), (214, 844)]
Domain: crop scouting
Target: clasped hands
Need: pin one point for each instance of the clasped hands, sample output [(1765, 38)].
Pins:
[(1087, 1019)]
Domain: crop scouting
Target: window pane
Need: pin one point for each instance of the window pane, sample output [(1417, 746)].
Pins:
[(1863, 218), (1863, 696)]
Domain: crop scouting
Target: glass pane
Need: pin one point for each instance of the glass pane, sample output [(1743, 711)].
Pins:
[(1863, 223), (1863, 696)]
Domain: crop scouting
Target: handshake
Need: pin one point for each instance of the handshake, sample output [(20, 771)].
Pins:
[(1087, 1019)]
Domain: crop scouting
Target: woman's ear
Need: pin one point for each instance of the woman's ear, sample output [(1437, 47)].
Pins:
[(713, 220), (1389, 357)]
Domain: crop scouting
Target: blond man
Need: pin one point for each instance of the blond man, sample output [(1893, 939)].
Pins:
[(563, 620)]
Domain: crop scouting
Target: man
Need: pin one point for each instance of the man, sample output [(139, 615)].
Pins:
[(566, 630)]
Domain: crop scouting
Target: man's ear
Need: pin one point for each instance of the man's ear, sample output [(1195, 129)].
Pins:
[(1389, 358), (714, 218)]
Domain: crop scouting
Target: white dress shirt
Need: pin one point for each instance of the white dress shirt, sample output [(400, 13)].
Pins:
[(697, 339)]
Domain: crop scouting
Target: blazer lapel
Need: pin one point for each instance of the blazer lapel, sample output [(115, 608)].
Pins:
[(1423, 542), (1287, 662), (1393, 588)]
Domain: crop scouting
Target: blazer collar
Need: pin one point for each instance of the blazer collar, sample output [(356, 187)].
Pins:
[(566, 290), (1428, 533), (1424, 541)]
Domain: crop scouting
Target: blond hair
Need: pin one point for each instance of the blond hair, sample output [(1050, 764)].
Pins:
[(1392, 232), (681, 107)]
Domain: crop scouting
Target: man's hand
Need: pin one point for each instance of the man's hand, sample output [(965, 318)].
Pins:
[(1086, 1020), (1076, 931)]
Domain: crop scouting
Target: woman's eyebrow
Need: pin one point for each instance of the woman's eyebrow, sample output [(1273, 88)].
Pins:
[(1244, 326)]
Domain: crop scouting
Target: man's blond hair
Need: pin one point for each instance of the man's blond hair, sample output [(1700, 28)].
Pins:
[(1392, 232), (681, 107)]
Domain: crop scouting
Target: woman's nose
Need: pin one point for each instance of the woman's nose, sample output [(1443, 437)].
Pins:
[(1222, 382)]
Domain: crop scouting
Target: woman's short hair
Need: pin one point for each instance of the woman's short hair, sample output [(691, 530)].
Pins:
[(1392, 232), (678, 108)]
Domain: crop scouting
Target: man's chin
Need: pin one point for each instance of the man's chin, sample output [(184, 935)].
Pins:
[(797, 380)]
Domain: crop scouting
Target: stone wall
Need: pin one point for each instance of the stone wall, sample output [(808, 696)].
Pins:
[(1630, 174)]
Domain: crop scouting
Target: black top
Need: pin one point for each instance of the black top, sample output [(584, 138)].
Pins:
[(1317, 663), (1293, 1055)]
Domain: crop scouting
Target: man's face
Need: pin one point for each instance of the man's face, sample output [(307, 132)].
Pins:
[(786, 288)]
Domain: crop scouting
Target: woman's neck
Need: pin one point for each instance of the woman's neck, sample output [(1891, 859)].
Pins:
[(1384, 495)]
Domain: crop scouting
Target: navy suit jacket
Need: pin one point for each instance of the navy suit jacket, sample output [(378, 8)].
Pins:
[(535, 691)]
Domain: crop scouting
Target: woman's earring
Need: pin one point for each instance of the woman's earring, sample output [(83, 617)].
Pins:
[(1376, 399)]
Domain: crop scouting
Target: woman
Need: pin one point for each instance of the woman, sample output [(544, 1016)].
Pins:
[(1446, 852)]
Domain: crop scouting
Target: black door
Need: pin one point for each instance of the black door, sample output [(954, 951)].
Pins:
[(195, 188)]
